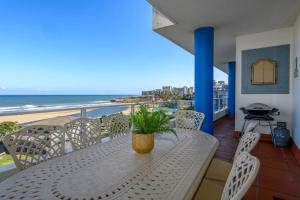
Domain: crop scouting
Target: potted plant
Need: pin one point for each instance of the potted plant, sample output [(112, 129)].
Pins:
[(145, 124)]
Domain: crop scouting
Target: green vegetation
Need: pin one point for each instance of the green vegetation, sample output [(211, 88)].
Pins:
[(6, 159), (165, 95), (146, 122), (188, 97), (8, 127)]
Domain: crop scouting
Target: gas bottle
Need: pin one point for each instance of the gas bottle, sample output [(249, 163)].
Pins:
[(281, 135)]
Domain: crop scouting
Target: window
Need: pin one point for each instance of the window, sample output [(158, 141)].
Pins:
[(263, 72)]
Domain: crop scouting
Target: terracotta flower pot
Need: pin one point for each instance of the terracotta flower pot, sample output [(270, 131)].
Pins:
[(142, 143)]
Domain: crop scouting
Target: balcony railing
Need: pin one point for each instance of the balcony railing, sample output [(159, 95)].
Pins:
[(220, 106), (84, 111)]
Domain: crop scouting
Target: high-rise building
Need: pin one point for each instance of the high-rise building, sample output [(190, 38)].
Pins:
[(190, 91), (167, 88)]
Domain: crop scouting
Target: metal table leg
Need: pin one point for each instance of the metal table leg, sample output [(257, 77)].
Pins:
[(272, 134), (243, 129)]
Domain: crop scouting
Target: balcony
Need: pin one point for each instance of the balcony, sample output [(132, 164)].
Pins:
[(267, 185), (233, 38)]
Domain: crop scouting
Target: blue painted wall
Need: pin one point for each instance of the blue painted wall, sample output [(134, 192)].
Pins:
[(204, 56), (231, 88), (280, 54)]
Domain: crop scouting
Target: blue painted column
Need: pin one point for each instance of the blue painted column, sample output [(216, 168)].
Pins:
[(231, 89), (204, 56)]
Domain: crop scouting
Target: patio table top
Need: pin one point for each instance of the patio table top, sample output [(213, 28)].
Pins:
[(113, 170)]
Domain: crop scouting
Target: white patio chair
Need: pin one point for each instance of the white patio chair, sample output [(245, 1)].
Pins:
[(219, 169), (189, 120), (248, 141), (116, 124), (242, 175), (35, 144), (83, 132)]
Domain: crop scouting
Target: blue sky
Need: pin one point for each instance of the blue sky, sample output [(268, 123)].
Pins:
[(86, 47)]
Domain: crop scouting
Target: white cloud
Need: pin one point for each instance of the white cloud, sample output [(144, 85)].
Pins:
[(2, 88)]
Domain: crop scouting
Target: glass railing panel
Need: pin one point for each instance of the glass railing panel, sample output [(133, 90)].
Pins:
[(220, 104)]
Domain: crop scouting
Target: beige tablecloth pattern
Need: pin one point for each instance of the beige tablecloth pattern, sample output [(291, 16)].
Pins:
[(112, 170)]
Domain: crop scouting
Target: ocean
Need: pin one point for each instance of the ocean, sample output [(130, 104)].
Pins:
[(28, 103)]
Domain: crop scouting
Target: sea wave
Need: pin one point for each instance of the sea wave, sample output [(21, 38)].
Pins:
[(30, 108)]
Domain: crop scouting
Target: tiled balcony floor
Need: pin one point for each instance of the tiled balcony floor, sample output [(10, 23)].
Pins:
[(279, 175)]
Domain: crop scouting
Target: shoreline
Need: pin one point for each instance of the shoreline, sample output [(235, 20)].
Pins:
[(47, 116), (33, 117)]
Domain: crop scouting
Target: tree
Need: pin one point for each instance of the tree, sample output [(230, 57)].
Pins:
[(165, 95), (188, 97)]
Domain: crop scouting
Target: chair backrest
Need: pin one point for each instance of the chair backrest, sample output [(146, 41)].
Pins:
[(189, 119), (35, 144), (251, 126), (116, 124), (241, 177), (83, 132), (247, 142)]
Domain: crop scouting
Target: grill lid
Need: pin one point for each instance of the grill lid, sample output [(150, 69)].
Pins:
[(258, 107)]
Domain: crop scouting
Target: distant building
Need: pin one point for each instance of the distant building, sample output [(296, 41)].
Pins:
[(190, 91), (220, 95), (167, 88), (157, 92), (154, 94), (147, 93), (179, 91)]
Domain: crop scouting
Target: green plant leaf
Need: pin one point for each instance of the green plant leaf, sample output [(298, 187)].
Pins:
[(145, 122)]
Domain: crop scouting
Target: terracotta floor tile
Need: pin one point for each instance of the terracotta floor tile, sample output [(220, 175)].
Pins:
[(279, 174), (275, 174), (285, 187), (251, 194), (291, 161), (273, 164), (295, 170), (256, 182), (271, 153), (265, 194), (255, 151), (275, 154), (287, 153)]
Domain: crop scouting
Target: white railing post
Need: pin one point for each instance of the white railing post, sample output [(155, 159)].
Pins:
[(83, 112), (132, 108)]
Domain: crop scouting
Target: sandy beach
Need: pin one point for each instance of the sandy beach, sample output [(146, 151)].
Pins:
[(26, 118)]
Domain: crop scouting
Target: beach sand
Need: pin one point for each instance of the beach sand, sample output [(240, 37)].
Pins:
[(51, 118), (127, 111), (26, 118)]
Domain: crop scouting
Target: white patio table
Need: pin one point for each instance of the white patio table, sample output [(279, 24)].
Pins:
[(112, 170)]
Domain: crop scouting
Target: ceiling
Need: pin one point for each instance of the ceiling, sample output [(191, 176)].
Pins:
[(230, 18)]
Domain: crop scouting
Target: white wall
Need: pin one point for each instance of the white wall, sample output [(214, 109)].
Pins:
[(296, 91), (284, 102)]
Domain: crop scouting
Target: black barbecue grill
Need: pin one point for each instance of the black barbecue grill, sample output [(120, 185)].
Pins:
[(259, 112)]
